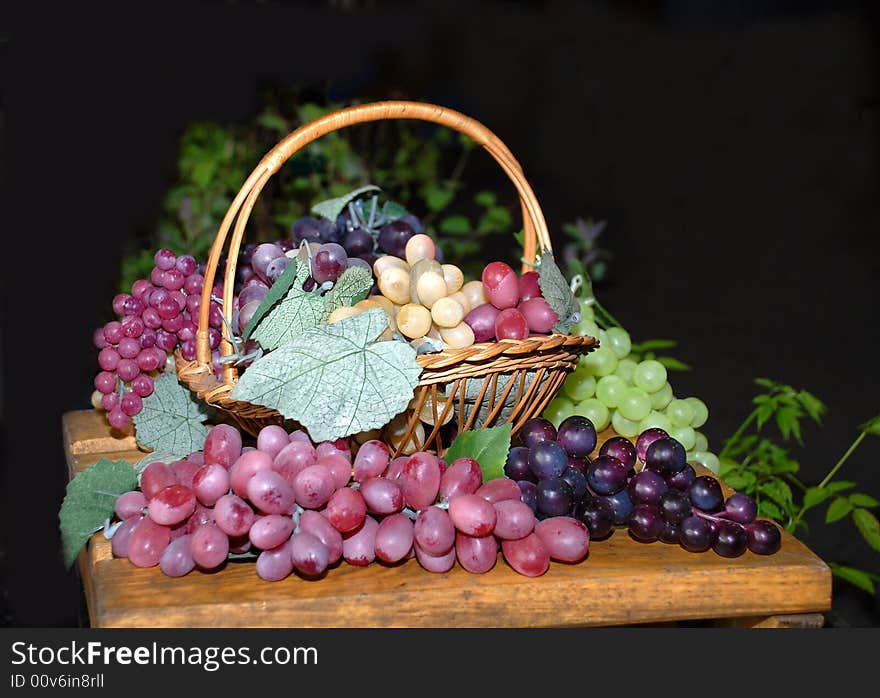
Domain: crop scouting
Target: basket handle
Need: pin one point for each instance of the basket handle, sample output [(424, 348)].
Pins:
[(534, 225)]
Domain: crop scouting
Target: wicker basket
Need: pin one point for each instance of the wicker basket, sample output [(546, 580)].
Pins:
[(485, 384)]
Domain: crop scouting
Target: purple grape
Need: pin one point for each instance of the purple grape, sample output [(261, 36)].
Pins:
[(646, 438), (306, 228), (764, 537), (262, 255), (671, 533), (606, 475), (358, 262), (647, 487), (645, 523), (577, 436), (576, 480), (675, 506), (414, 223), (706, 494), (622, 506), (358, 242), (555, 497), (683, 479), (393, 238), (329, 262), (536, 430), (580, 464), (598, 516), (276, 269), (621, 448), (528, 494), (741, 508), (666, 456), (547, 459), (482, 321), (517, 466), (697, 535), (732, 539)]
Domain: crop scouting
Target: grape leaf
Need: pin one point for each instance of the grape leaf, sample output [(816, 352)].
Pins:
[(839, 508), (352, 286), (557, 293), (331, 208), (815, 496), (278, 289), (872, 426), (89, 501), (335, 380), (854, 576), (172, 419), (297, 312), (868, 526), (489, 447), (863, 500), (393, 210)]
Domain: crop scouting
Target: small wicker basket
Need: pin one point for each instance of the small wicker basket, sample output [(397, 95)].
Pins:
[(485, 384)]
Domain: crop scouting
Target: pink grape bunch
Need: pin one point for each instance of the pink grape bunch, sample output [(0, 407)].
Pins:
[(158, 316), (515, 309), (300, 506)]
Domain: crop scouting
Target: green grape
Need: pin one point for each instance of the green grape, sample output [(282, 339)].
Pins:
[(684, 435), (601, 361), (619, 341), (655, 420), (701, 412), (680, 413), (625, 369), (559, 409), (707, 459), (623, 426), (662, 397), (588, 328), (650, 376), (596, 412), (635, 405), (586, 310), (701, 443), (579, 385), (610, 389)]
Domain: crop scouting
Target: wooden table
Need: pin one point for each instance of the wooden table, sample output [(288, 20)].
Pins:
[(621, 582)]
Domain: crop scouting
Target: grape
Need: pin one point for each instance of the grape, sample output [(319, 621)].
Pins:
[(382, 496), (202, 516), (634, 404), (131, 403), (529, 287), (707, 459), (601, 361), (313, 486), (597, 514), (682, 479), (164, 259), (680, 413), (262, 255), (623, 426), (420, 480), (650, 376), (625, 369), (539, 316), (655, 420), (535, 431), (701, 443), (459, 337), (108, 359), (173, 280), (429, 285), (293, 458), (108, 401), (741, 508), (620, 448), (764, 537), (105, 382), (254, 293), (413, 320), (130, 504), (528, 556), (117, 418), (516, 467), (501, 285), (547, 459), (671, 533), (498, 490), (477, 555), (371, 460), (147, 542), (731, 541), (119, 542), (275, 269), (359, 548), (675, 506), (133, 327), (577, 436), (171, 505), (177, 560), (119, 303), (435, 563), (155, 477), (270, 492), (453, 277), (272, 439), (618, 341), (275, 564), (339, 467), (685, 436), (222, 445), (565, 538), (313, 230), (596, 412), (393, 237), (308, 553), (511, 324), (610, 390), (394, 538), (247, 465), (514, 519), (447, 313), (645, 523), (607, 475), (559, 409), (580, 384), (622, 506), (358, 242), (646, 487), (576, 480), (555, 497), (329, 262), (346, 509), (706, 494), (434, 531), (270, 531), (233, 516), (665, 455), (312, 522), (472, 514), (700, 412), (142, 386), (579, 464)]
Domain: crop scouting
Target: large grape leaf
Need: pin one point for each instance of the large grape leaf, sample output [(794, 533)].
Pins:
[(557, 293), (172, 419), (297, 312), (89, 502), (335, 380), (331, 208), (278, 289), (489, 447), (352, 286)]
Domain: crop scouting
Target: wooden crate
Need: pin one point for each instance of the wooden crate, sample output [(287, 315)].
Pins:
[(621, 582)]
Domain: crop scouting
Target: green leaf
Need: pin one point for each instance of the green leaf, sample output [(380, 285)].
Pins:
[(840, 485), (393, 210), (203, 173), (455, 225), (769, 509), (765, 383), (778, 491), (854, 576), (496, 219), (335, 380), (839, 508), (297, 312), (863, 500), (172, 418), (811, 404), (437, 198), (816, 495), (653, 344), (673, 364), (868, 526), (489, 447), (872, 426), (486, 199), (272, 121), (740, 481), (89, 502), (557, 293), (764, 412), (331, 208), (352, 286), (787, 421), (278, 289)]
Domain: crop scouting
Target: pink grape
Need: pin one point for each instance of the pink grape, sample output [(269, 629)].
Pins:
[(131, 403), (155, 477), (173, 324), (510, 324), (130, 504), (514, 519), (270, 492), (420, 480), (471, 514), (293, 458), (202, 516), (146, 340), (482, 321), (185, 471), (395, 468), (222, 445), (394, 538), (334, 448), (119, 542), (529, 287), (171, 505), (308, 554), (381, 495), (193, 285), (117, 418), (499, 489), (173, 280), (248, 464), (133, 327), (113, 332), (539, 315), (233, 516), (197, 457), (434, 531), (312, 522), (186, 264), (142, 385), (359, 547), (147, 543), (209, 547), (210, 482), (346, 509), (240, 544), (565, 538), (272, 439), (313, 486), (464, 476), (128, 348), (105, 382), (109, 401), (164, 259), (528, 556), (140, 287), (501, 285), (338, 466), (127, 369), (98, 339), (270, 531), (263, 254), (177, 560), (108, 359), (435, 563), (476, 554), (371, 460), (301, 436), (119, 303)]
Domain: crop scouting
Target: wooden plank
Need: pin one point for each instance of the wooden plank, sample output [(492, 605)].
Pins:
[(87, 431), (621, 582)]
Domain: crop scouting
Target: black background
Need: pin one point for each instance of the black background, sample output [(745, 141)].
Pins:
[(734, 151)]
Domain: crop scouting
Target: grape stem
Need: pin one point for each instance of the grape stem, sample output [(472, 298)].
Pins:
[(738, 433), (410, 513), (720, 517)]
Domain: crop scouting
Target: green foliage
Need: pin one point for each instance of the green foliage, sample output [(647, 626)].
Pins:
[(488, 447)]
